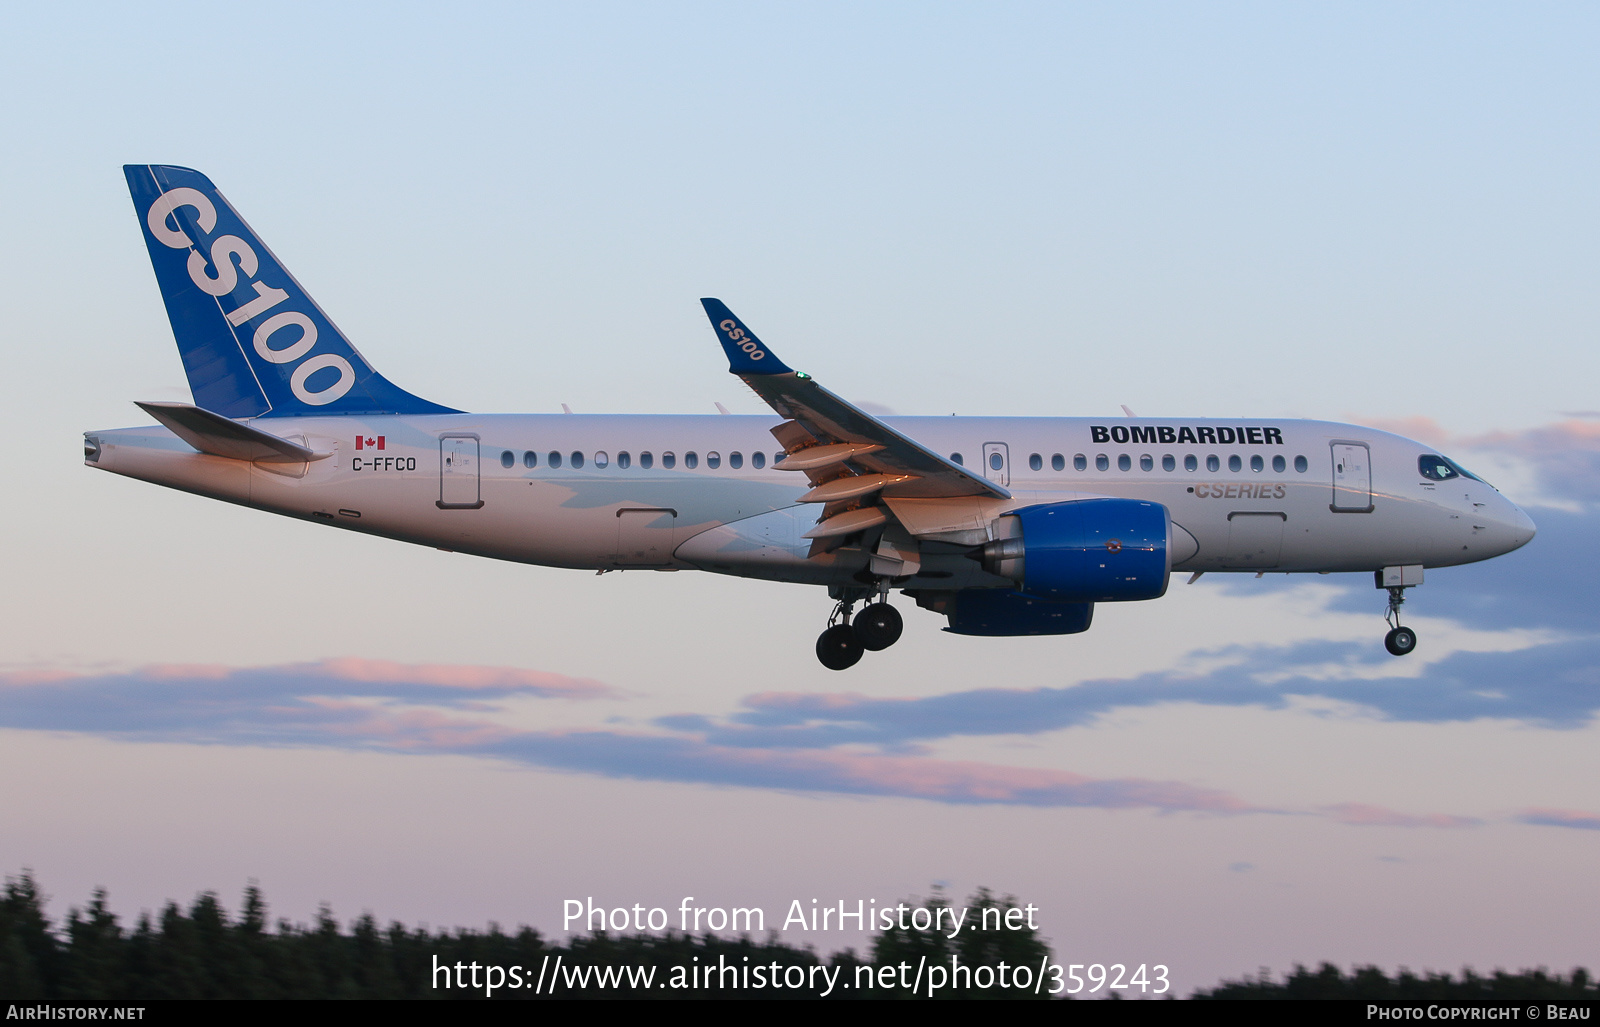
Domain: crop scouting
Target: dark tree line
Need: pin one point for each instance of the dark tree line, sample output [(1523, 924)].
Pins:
[(1369, 983), (203, 953)]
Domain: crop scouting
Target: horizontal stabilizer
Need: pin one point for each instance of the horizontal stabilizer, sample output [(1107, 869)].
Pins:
[(219, 436)]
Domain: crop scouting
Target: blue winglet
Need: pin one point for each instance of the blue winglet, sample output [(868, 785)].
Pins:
[(746, 353)]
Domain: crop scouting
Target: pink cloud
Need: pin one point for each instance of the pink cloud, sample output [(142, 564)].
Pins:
[(1561, 436), (1423, 429), (380, 705), (476, 678), (684, 758), (949, 780), (1548, 817), (1362, 815), (325, 675), (188, 671), (807, 700)]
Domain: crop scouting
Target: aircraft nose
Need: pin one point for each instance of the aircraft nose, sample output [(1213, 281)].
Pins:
[(1522, 527), (1508, 527)]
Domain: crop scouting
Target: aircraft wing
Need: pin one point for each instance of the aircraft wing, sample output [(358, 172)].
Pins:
[(846, 452)]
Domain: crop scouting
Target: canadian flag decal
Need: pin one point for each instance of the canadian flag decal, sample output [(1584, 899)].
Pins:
[(369, 441)]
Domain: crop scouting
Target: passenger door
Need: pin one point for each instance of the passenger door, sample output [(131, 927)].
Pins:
[(458, 473), (1352, 478)]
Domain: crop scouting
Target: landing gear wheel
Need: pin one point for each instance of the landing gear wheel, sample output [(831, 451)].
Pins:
[(878, 626), (838, 648), (1400, 641)]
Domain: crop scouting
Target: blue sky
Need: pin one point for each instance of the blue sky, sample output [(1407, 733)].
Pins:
[(1374, 213)]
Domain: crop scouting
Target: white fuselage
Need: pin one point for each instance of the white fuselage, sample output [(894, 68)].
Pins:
[(1279, 496)]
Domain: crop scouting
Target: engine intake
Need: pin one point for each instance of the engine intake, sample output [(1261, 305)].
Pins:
[(1084, 551)]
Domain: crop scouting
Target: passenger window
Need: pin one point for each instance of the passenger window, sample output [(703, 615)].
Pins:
[(713, 460), (1080, 462), (530, 459), (777, 456), (736, 460), (554, 459), (577, 458), (1256, 464), (1278, 465), (1124, 462), (1235, 464), (996, 461), (1169, 463), (1190, 463), (508, 459), (1036, 462), (1213, 464), (1059, 463), (956, 458), (758, 460), (1436, 468), (1102, 462), (1300, 464), (646, 460), (669, 461), (691, 460), (623, 460), (600, 459), (1147, 463)]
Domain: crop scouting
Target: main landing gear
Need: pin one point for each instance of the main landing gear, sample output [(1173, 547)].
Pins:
[(875, 628), (1400, 640)]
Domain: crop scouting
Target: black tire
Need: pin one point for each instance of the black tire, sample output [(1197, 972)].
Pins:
[(878, 626), (838, 649), (1400, 641)]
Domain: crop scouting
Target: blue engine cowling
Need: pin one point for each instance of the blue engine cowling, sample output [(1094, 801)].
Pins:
[(1084, 551), (995, 611)]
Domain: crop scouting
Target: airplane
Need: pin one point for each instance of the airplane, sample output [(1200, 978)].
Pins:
[(1006, 526)]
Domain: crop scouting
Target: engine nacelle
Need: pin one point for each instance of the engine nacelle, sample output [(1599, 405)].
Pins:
[(996, 611), (1084, 551)]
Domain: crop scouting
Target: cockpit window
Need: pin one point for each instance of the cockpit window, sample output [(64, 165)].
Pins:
[(1438, 468)]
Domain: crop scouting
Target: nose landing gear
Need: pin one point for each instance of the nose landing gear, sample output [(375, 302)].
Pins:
[(876, 627), (1400, 640)]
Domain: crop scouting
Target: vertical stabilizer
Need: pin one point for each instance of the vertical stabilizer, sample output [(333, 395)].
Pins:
[(253, 341)]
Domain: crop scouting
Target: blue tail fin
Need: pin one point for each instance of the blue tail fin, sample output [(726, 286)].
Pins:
[(253, 341)]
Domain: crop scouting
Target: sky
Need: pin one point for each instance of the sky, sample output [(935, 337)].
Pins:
[(1377, 213)]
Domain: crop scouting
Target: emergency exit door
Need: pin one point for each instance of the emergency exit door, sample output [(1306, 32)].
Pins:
[(997, 463)]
